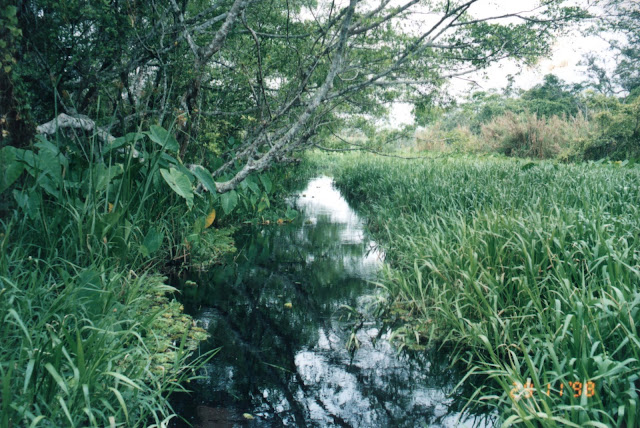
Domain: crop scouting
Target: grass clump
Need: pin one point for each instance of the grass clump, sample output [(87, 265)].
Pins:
[(530, 269), (91, 334), (82, 350)]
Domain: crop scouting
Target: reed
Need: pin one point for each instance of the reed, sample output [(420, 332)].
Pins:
[(531, 269)]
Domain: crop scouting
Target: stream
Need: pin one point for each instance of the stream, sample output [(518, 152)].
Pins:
[(294, 351)]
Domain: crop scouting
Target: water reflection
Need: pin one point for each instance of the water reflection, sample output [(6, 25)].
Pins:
[(275, 311)]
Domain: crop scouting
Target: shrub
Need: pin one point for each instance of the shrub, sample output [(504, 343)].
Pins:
[(88, 336), (527, 135), (436, 138), (618, 134)]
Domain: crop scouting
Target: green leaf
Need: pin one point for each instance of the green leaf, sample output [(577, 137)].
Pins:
[(130, 138), (124, 379), (152, 242), (229, 201), (205, 178), (254, 187), (102, 175), (180, 184), (10, 12), (56, 376), (29, 202), (291, 214), (527, 166), (10, 168), (164, 138), (266, 182)]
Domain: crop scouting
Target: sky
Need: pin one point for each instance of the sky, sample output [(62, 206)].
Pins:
[(564, 62)]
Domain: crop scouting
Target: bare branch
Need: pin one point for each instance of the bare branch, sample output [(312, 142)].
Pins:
[(78, 122)]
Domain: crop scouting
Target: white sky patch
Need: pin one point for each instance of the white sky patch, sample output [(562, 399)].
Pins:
[(565, 60), (567, 53)]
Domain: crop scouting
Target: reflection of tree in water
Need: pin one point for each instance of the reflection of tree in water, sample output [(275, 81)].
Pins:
[(290, 365)]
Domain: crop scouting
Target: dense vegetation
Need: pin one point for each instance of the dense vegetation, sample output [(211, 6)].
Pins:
[(529, 268), (136, 135), (91, 333), (552, 120), (245, 81)]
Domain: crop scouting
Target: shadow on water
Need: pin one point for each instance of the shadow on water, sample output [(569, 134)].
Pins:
[(276, 311)]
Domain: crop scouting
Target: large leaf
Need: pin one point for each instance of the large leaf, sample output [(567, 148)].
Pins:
[(266, 182), (152, 242), (28, 201), (119, 142), (161, 136), (251, 183), (180, 184), (205, 178), (10, 168), (167, 161), (49, 158), (291, 214), (101, 176), (229, 201)]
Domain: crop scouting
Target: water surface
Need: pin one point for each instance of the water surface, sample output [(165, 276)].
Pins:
[(285, 310)]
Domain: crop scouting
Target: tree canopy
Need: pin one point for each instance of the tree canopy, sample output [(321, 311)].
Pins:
[(244, 83)]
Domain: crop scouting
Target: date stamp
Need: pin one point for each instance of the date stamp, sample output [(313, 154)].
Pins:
[(576, 389)]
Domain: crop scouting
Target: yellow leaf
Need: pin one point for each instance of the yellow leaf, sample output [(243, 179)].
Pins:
[(110, 207), (248, 416), (288, 305), (209, 221)]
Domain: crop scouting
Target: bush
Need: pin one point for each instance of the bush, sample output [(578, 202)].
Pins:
[(618, 134), (437, 139), (527, 135), (88, 336)]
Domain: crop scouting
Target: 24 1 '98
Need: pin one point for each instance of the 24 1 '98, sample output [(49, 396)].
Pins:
[(578, 389)]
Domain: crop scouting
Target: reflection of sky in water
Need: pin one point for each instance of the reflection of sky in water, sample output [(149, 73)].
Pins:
[(321, 203), (290, 366), (321, 200)]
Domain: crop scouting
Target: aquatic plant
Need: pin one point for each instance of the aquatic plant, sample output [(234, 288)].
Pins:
[(530, 269)]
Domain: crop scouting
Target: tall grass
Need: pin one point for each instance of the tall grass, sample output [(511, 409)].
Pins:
[(527, 135), (532, 270), (518, 135), (90, 335)]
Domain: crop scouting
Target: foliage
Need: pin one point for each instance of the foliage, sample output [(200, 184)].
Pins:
[(100, 340), (550, 120), (619, 130), (83, 347), (15, 125), (250, 83), (529, 268), (621, 18), (553, 97), (458, 140), (527, 135)]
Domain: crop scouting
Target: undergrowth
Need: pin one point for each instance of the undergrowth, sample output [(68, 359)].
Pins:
[(91, 334)]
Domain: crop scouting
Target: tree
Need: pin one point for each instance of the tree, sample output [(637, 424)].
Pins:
[(271, 74), (621, 17), (553, 97)]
